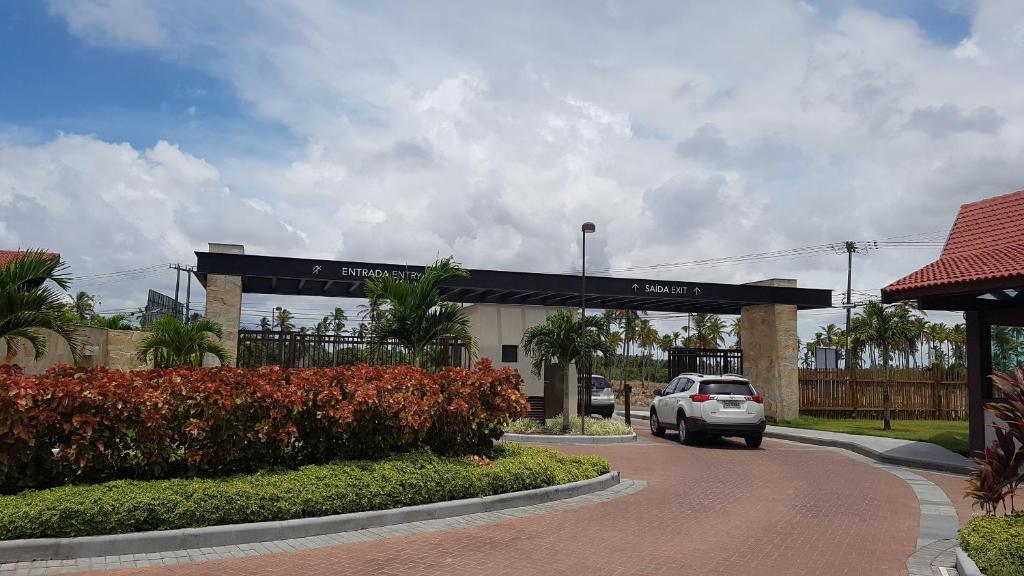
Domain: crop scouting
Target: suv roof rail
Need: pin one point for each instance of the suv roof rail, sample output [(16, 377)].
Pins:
[(691, 374), (734, 375)]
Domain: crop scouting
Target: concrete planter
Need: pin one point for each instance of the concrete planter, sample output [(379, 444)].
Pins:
[(567, 439), (230, 534)]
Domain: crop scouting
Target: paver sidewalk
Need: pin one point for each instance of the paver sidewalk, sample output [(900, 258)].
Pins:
[(890, 450)]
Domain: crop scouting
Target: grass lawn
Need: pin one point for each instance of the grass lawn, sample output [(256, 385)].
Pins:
[(951, 435), (595, 426)]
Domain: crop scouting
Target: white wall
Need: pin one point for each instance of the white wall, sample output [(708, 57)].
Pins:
[(494, 325)]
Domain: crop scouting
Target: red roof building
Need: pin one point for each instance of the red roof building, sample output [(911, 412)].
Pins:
[(8, 255), (980, 272), (985, 248)]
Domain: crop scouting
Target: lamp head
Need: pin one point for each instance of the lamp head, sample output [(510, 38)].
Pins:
[(589, 228)]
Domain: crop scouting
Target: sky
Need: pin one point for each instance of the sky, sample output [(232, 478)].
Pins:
[(134, 132)]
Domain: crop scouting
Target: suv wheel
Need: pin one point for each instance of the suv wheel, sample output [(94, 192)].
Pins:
[(754, 440), (656, 428), (685, 436)]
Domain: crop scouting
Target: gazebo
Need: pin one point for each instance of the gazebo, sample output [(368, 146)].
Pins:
[(980, 272)]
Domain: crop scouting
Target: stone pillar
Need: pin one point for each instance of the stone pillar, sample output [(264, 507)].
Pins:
[(770, 351), (224, 301)]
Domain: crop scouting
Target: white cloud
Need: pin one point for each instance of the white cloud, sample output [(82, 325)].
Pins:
[(108, 207), (122, 22), (685, 130)]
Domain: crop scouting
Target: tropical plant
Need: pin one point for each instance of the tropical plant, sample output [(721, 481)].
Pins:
[(265, 324), (416, 314), (564, 339), (735, 330), (83, 305), (337, 319), (173, 343), (284, 320), (709, 330), (115, 322), (29, 304), (887, 328)]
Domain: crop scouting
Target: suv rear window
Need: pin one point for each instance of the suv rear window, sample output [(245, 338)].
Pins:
[(598, 383), (725, 387)]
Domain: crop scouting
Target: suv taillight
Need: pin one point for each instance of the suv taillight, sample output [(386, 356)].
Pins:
[(759, 399), (700, 397)]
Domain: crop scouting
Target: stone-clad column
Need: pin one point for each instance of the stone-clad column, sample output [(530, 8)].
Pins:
[(770, 351), (224, 301)]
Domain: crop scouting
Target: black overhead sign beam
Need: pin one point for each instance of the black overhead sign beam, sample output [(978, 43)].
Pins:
[(304, 277)]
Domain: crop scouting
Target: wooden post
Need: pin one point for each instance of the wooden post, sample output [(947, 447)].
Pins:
[(936, 393)]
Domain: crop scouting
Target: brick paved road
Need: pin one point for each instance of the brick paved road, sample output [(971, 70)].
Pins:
[(784, 510)]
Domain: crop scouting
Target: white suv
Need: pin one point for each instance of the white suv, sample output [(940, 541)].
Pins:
[(700, 406)]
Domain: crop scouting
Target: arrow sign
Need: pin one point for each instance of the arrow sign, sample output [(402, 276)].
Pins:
[(636, 287)]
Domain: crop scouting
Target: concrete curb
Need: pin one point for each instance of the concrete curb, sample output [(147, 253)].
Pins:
[(567, 439), (230, 534), (964, 565), (873, 454)]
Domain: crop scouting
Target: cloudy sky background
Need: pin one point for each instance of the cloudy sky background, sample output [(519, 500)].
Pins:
[(133, 132)]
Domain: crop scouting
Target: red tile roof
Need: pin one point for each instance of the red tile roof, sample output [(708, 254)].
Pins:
[(8, 255), (986, 243)]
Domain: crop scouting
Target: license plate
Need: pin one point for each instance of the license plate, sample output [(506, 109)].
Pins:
[(731, 404)]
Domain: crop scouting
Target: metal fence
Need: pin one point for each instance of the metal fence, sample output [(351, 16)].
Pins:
[(307, 350), (584, 371), (704, 361)]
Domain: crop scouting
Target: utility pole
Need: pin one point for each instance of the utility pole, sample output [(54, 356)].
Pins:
[(177, 285), (188, 296)]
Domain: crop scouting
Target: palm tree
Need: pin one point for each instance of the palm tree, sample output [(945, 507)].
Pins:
[(83, 305), (115, 322), (709, 330), (647, 338), (564, 339), (886, 327), (415, 314), (28, 304), (284, 320), (735, 330), (337, 321), (265, 324), (173, 343)]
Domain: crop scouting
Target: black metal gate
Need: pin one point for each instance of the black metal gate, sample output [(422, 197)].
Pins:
[(308, 350), (584, 372), (704, 361)]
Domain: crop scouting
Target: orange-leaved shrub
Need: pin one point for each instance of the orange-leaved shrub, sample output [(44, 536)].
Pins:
[(74, 425)]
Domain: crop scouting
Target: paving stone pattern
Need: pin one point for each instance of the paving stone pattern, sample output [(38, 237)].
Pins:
[(625, 487), (787, 509)]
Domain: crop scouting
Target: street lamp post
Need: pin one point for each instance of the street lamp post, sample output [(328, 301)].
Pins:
[(587, 228)]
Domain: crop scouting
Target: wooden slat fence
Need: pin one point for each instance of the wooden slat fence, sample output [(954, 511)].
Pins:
[(916, 393)]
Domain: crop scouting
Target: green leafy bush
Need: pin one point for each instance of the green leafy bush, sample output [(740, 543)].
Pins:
[(996, 544), (595, 426), (346, 486)]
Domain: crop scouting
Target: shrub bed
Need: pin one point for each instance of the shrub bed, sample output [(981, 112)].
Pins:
[(595, 426), (417, 477), (996, 544), (73, 425)]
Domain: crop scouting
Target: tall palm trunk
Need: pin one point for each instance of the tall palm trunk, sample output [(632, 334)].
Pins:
[(886, 392)]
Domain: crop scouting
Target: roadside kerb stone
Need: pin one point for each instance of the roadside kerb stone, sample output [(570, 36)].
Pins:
[(232, 534), (567, 439), (825, 439), (964, 565)]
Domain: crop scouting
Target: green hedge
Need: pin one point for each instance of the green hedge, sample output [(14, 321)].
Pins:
[(346, 486), (995, 543)]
